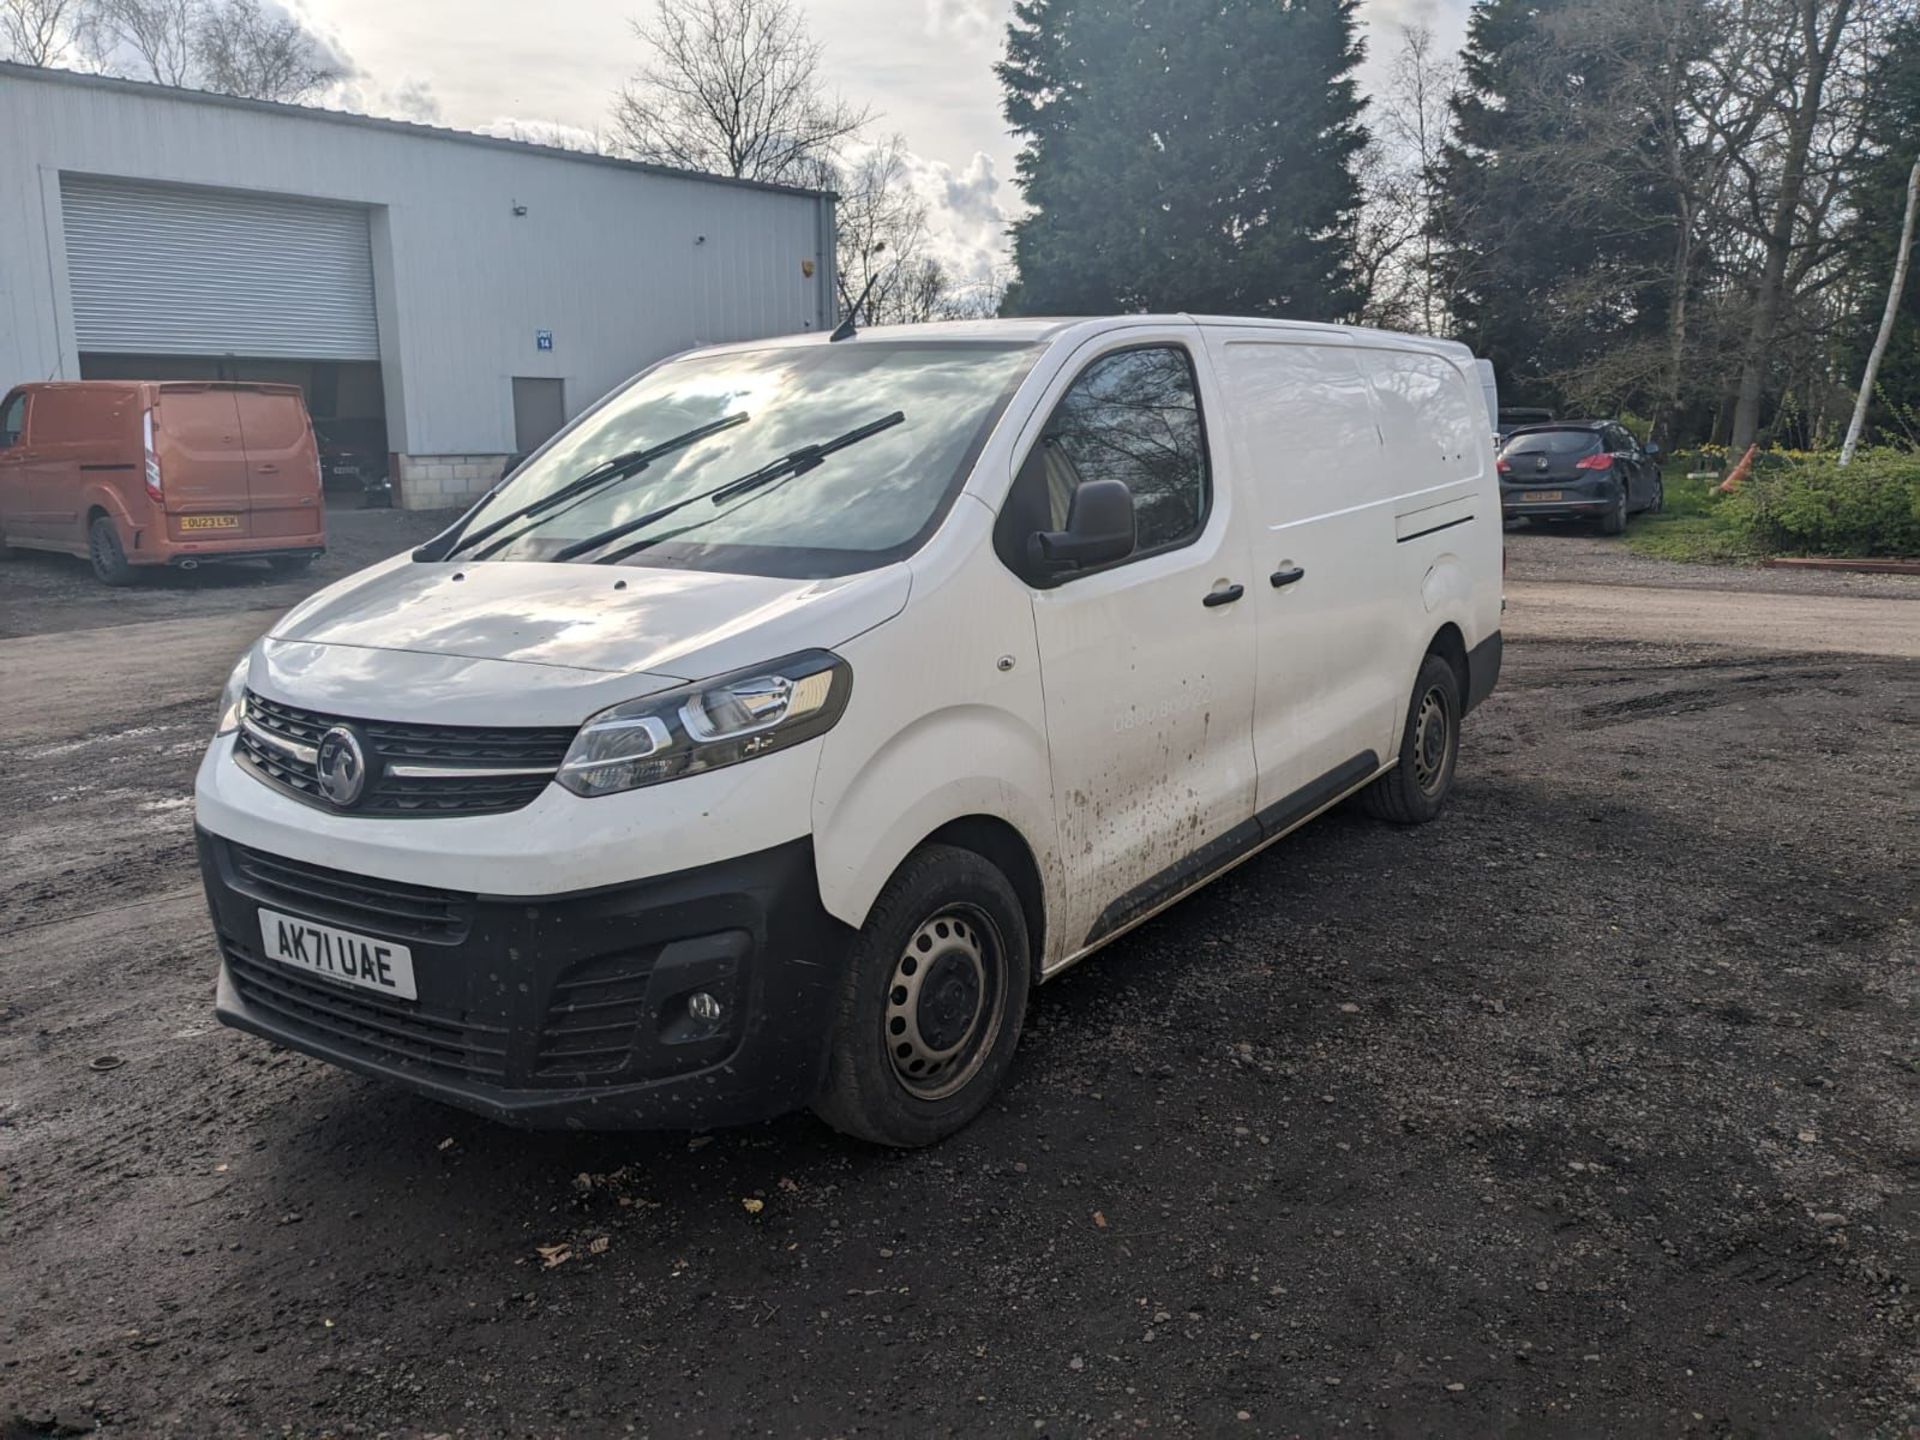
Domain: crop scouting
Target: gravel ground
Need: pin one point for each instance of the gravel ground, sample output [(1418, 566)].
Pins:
[(42, 593), (1589, 1109), (1577, 555)]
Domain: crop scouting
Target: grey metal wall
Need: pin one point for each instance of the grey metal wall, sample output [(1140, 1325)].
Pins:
[(621, 264)]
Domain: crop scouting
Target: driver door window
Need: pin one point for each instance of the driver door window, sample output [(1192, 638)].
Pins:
[(1133, 416)]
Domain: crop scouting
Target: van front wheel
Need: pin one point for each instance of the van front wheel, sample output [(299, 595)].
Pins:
[(931, 1004), (105, 551), (1414, 790)]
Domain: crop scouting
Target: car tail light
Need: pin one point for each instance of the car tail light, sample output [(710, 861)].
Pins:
[(154, 492), (1594, 462), (1503, 467)]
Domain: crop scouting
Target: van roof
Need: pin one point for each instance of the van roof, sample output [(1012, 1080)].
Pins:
[(270, 387), (1040, 329)]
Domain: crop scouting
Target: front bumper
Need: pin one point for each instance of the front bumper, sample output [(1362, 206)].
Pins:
[(557, 1010)]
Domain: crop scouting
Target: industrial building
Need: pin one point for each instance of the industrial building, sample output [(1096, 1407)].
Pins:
[(463, 294)]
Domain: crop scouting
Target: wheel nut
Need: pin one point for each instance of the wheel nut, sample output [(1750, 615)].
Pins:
[(703, 1007)]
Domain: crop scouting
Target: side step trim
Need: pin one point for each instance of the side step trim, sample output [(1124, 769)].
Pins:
[(1222, 853)]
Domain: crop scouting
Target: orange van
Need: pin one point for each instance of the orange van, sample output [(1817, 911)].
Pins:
[(130, 473)]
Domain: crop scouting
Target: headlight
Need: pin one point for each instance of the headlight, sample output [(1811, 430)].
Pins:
[(705, 726), (233, 699)]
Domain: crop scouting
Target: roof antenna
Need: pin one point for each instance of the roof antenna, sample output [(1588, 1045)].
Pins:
[(845, 329)]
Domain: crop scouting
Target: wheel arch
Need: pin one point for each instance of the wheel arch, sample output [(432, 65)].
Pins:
[(1450, 645), (1006, 849)]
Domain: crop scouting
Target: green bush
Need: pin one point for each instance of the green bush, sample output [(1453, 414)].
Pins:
[(1810, 505)]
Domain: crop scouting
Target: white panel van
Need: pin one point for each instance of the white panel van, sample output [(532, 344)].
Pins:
[(783, 720)]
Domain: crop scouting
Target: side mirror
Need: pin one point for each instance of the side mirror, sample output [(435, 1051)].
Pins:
[(1099, 530), (1652, 449)]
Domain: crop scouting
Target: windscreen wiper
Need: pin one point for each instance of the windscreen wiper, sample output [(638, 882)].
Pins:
[(794, 462), (616, 467)]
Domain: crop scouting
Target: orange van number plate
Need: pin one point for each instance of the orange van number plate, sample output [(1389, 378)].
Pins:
[(209, 522)]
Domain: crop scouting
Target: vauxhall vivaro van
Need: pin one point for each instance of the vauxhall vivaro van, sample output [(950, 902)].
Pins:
[(775, 727), (133, 473)]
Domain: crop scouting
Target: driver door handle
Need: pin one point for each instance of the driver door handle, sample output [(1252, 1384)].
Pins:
[(1226, 595), (1288, 576)]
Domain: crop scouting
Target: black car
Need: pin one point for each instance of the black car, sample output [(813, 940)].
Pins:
[(353, 456), (1579, 470)]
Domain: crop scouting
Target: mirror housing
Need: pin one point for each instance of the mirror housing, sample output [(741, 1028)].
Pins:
[(1100, 530), (1652, 447)]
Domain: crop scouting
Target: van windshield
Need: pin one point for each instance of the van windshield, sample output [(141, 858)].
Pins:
[(859, 507)]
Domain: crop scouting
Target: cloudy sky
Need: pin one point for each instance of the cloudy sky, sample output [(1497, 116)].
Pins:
[(926, 65)]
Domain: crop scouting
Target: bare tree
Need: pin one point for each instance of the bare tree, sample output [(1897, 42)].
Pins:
[(246, 49), (39, 32), (146, 39), (1414, 124), (733, 87), (880, 236), (1885, 336)]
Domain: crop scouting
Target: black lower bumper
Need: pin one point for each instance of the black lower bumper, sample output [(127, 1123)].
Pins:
[(228, 557), (1483, 669), (1556, 509), (568, 1010)]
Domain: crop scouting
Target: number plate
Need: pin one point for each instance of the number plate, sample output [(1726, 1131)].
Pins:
[(209, 522), (338, 955), (1541, 494)]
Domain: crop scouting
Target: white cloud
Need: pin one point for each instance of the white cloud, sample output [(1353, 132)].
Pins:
[(540, 132), (970, 22), (966, 217)]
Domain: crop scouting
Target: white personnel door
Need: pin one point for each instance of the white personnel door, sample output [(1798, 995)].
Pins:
[(1146, 664)]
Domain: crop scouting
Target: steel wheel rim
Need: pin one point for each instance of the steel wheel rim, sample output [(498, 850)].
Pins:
[(1432, 740), (945, 1002)]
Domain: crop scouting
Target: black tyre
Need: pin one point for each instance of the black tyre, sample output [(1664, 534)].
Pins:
[(104, 550), (290, 564), (1413, 792), (930, 1012), (1659, 501), (1614, 522)]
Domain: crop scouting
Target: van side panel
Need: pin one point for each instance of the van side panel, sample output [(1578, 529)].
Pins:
[(85, 447), (1448, 537), (947, 720), (283, 463), (1312, 463)]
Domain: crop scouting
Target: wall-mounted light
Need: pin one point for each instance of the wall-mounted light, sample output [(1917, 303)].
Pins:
[(518, 208)]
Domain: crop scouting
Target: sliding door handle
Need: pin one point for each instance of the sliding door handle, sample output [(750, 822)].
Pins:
[(1224, 596), (1287, 576)]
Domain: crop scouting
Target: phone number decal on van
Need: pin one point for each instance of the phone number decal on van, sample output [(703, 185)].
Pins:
[(1134, 718)]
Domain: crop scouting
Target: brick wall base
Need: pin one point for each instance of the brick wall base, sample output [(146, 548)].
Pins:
[(444, 482)]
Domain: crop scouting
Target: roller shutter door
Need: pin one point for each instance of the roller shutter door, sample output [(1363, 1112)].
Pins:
[(171, 270)]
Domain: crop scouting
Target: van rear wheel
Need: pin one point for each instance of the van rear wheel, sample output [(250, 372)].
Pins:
[(932, 1002), (109, 559), (1413, 792)]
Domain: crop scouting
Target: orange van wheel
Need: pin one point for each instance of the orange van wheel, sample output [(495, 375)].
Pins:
[(104, 550)]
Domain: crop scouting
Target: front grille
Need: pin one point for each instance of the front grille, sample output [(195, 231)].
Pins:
[(397, 1031), (536, 749), (385, 907), (592, 1018)]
